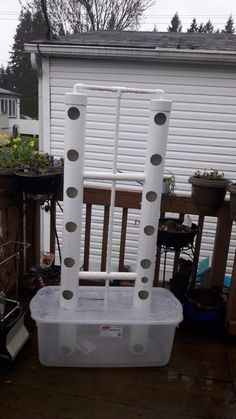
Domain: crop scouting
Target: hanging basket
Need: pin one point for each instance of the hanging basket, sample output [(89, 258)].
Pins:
[(173, 234), (38, 187)]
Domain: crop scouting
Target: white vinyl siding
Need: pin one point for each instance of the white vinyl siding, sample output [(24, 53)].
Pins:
[(202, 130)]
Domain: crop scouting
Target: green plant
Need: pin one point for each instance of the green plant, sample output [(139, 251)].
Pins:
[(18, 152), (22, 153), (211, 174)]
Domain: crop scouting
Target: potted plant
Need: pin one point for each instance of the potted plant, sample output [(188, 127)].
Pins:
[(232, 190), (37, 173), (172, 233), (205, 306), (6, 165), (208, 190)]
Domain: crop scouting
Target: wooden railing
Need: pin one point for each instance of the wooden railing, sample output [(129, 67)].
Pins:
[(12, 216), (180, 205)]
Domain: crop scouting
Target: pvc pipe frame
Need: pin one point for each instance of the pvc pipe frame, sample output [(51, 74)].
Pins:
[(114, 176), (73, 192), (79, 87), (121, 276)]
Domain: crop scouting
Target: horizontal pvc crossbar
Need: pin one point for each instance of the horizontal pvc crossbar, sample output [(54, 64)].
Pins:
[(114, 176), (93, 275), (79, 86)]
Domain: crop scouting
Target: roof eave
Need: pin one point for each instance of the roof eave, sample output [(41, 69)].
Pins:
[(151, 54)]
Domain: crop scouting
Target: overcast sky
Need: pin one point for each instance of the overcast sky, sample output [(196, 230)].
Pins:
[(160, 14)]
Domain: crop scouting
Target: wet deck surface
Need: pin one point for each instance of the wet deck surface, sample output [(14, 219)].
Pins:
[(199, 382)]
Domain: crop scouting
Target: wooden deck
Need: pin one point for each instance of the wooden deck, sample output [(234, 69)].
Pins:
[(199, 382)]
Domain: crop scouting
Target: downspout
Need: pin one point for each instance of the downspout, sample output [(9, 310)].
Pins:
[(36, 63)]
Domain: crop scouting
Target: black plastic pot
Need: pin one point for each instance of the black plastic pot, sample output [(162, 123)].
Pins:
[(42, 186), (176, 239), (7, 180)]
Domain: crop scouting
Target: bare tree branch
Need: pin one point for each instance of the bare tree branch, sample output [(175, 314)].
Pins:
[(70, 16)]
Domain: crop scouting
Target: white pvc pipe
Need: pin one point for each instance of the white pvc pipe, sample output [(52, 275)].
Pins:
[(113, 185), (151, 201), (73, 197), (79, 86), (121, 276), (138, 339), (67, 339), (113, 194), (114, 176)]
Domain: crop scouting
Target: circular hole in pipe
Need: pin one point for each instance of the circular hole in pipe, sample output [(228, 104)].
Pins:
[(151, 196), (138, 348), (65, 350), (146, 263), (72, 155), (160, 118), (149, 230), (73, 113), (71, 227), (71, 192), (69, 262), (67, 294), (144, 279), (156, 159), (143, 295)]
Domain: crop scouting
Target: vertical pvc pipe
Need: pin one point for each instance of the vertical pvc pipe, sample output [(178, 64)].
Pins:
[(113, 194), (151, 200), (138, 339), (73, 197), (67, 334)]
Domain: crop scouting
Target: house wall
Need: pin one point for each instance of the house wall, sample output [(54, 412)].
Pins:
[(202, 128), (4, 124)]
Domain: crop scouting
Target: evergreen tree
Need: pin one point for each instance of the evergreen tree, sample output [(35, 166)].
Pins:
[(5, 78), (229, 27), (208, 27), (193, 27), (201, 27), (23, 79), (175, 24)]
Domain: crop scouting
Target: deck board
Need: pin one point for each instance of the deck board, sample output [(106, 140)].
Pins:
[(198, 382)]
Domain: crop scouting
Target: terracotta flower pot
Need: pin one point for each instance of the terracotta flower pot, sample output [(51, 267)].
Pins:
[(232, 190), (208, 195)]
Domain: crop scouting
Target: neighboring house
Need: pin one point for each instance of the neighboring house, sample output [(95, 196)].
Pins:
[(12, 122), (9, 111), (197, 72)]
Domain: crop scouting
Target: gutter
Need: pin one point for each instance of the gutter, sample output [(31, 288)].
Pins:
[(154, 54)]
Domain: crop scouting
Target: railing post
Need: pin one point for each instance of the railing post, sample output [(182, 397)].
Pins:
[(221, 246), (231, 308)]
